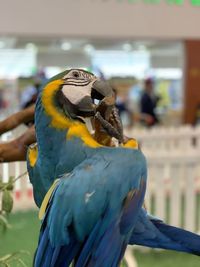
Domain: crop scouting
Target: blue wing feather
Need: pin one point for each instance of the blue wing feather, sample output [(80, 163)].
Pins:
[(85, 194), (131, 211)]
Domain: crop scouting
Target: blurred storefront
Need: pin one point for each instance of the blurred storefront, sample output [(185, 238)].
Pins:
[(124, 41)]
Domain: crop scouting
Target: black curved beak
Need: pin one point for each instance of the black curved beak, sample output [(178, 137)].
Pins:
[(101, 89), (85, 107)]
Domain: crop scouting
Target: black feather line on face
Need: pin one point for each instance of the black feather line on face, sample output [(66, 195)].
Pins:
[(76, 82)]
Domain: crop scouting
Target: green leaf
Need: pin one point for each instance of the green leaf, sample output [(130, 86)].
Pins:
[(13, 258), (7, 201), (10, 185)]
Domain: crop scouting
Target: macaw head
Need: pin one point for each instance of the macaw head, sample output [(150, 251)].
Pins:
[(73, 95), (80, 93)]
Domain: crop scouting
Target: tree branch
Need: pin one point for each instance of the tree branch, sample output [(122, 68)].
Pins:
[(16, 119), (16, 149)]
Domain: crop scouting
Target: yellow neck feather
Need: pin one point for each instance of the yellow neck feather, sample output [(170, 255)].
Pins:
[(79, 130), (59, 120), (132, 143)]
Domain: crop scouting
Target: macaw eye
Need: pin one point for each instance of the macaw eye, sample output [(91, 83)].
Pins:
[(76, 74)]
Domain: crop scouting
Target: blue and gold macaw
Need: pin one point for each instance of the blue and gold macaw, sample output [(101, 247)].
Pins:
[(91, 195), (92, 201)]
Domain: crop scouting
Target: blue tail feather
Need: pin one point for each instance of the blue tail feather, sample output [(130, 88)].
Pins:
[(152, 232), (88, 247), (47, 256), (43, 243), (55, 256), (108, 249), (188, 241), (67, 254)]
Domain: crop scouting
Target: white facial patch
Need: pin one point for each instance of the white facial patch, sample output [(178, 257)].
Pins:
[(76, 93)]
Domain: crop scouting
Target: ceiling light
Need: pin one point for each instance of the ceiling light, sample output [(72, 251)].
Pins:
[(66, 46)]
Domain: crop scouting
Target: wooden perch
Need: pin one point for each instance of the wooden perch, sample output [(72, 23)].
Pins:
[(16, 119), (15, 150)]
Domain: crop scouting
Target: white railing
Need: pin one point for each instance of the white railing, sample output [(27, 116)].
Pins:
[(166, 138), (173, 156), (173, 191)]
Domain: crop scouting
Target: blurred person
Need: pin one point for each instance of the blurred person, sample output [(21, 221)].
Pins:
[(125, 113), (30, 94), (134, 95), (148, 103), (29, 97)]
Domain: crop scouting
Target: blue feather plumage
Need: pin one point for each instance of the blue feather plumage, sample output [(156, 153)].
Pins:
[(93, 194)]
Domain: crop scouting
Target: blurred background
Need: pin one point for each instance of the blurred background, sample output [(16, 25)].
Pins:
[(150, 53)]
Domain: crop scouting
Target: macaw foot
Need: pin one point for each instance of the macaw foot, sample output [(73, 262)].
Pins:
[(107, 122)]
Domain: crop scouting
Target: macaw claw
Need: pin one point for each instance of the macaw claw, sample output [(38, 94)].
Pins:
[(107, 120), (109, 128)]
